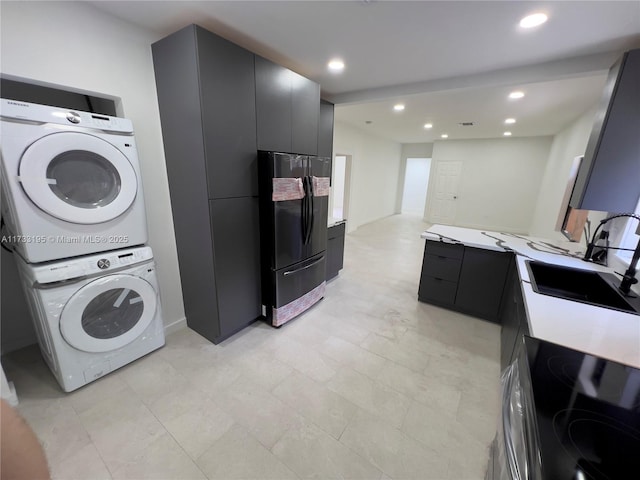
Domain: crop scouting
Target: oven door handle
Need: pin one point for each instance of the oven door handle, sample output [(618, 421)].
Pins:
[(510, 383)]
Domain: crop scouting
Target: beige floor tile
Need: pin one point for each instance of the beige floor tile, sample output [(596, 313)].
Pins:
[(340, 327), (427, 389), (110, 386), (313, 454), (192, 418), (372, 396), (316, 402), (85, 463), (239, 456), (392, 350), (261, 413), (306, 360), (161, 459), (121, 429), (152, 377), (262, 368), (392, 451), (58, 428), (351, 355)]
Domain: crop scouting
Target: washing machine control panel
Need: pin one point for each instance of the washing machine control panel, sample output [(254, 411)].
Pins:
[(90, 265)]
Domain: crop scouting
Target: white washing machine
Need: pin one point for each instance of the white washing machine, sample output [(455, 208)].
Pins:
[(94, 314), (70, 182)]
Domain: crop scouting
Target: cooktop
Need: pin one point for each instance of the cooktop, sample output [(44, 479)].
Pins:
[(587, 412)]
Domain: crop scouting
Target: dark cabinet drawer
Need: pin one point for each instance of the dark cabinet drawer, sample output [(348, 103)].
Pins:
[(442, 267), (437, 290), (450, 250), (336, 231), (295, 281)]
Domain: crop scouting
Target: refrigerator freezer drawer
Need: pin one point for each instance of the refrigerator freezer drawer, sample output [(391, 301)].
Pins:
[(299, 279)]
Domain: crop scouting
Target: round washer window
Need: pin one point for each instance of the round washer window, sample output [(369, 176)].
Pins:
[(83, 179), (112, 313)]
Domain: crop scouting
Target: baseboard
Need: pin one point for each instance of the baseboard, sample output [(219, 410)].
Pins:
[(175, 326)]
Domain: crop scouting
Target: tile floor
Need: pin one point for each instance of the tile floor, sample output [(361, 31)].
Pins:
[(369, 384)]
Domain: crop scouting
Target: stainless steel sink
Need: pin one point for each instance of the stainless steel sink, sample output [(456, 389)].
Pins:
[(585, 286)]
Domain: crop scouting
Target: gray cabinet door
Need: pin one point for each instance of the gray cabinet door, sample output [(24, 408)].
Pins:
[(325, 130), (305, 114), (227, 90), (273, 106), (177, 82), (482, 280), (236, 240), (609, 178)]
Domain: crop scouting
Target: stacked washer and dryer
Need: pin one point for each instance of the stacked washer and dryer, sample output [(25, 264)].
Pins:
[(74, 212)]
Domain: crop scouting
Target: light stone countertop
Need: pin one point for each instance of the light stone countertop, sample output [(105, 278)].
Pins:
[(600, 331)]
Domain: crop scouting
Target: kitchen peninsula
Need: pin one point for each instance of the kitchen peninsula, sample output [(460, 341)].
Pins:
[(500, 257)]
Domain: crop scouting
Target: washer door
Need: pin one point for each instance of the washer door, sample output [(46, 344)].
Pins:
[(78, 178), (108, 313)]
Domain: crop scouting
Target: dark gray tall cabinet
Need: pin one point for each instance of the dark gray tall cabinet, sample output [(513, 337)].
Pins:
[(206, 94)]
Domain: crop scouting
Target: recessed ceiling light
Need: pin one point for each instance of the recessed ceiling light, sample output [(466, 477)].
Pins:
[(509, 121), (398, 107), (507, 134), (533, 20), (336, 65), (516, 94), (428, 125), (444, 135)]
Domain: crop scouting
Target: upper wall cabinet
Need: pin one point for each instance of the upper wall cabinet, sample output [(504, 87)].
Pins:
[(206, 87), (609, 177), (287, 109), (325, 130)]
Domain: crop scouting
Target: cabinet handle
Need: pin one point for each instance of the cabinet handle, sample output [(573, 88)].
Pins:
[(441, 257)]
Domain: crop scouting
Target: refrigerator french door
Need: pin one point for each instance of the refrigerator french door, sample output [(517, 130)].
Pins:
[(294, 203)]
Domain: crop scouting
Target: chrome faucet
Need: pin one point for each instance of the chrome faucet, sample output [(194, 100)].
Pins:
[(629, 277)]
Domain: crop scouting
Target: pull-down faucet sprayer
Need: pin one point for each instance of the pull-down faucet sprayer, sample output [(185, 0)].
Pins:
[(629, 277)]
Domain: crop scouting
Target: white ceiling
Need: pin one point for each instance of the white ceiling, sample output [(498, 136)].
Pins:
[(448, 61)]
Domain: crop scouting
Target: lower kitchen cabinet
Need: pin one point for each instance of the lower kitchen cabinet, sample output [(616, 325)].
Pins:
[(466, 279), (483, 275), (513, 318), (335, 249)]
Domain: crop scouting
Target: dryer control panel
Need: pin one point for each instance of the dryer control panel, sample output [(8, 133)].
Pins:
[(47, 114)]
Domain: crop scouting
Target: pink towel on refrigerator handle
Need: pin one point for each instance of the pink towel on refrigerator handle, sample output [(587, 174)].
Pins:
[(321, 186), (287, 189)]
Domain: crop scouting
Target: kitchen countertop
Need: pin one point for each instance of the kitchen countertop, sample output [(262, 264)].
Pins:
[(333, 221), (596, 330)]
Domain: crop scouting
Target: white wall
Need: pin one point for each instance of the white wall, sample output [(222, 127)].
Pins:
[(416, 150), (567, 144), (416, 180), (500, 180), (74, 44), (375, 169)]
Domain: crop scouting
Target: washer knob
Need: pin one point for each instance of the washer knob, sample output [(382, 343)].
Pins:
[(103, 263), (73, 117)]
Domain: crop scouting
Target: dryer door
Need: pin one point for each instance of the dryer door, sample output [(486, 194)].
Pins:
[(78, 177), (108, 313)]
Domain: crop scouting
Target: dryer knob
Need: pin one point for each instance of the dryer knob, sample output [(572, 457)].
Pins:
[(103, 263), (73, 117)]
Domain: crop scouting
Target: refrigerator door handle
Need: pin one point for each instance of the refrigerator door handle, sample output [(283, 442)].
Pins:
[(305, 210), (311, 208), (291, 272)]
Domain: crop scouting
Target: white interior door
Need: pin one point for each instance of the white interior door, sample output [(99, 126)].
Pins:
[(445, 196), (416, 179)]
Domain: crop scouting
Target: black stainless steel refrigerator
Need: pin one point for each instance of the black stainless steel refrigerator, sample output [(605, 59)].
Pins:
[(294, 201)]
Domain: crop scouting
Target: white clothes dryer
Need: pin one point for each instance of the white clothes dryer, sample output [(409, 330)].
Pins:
[(70, 182), (94, 314)]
